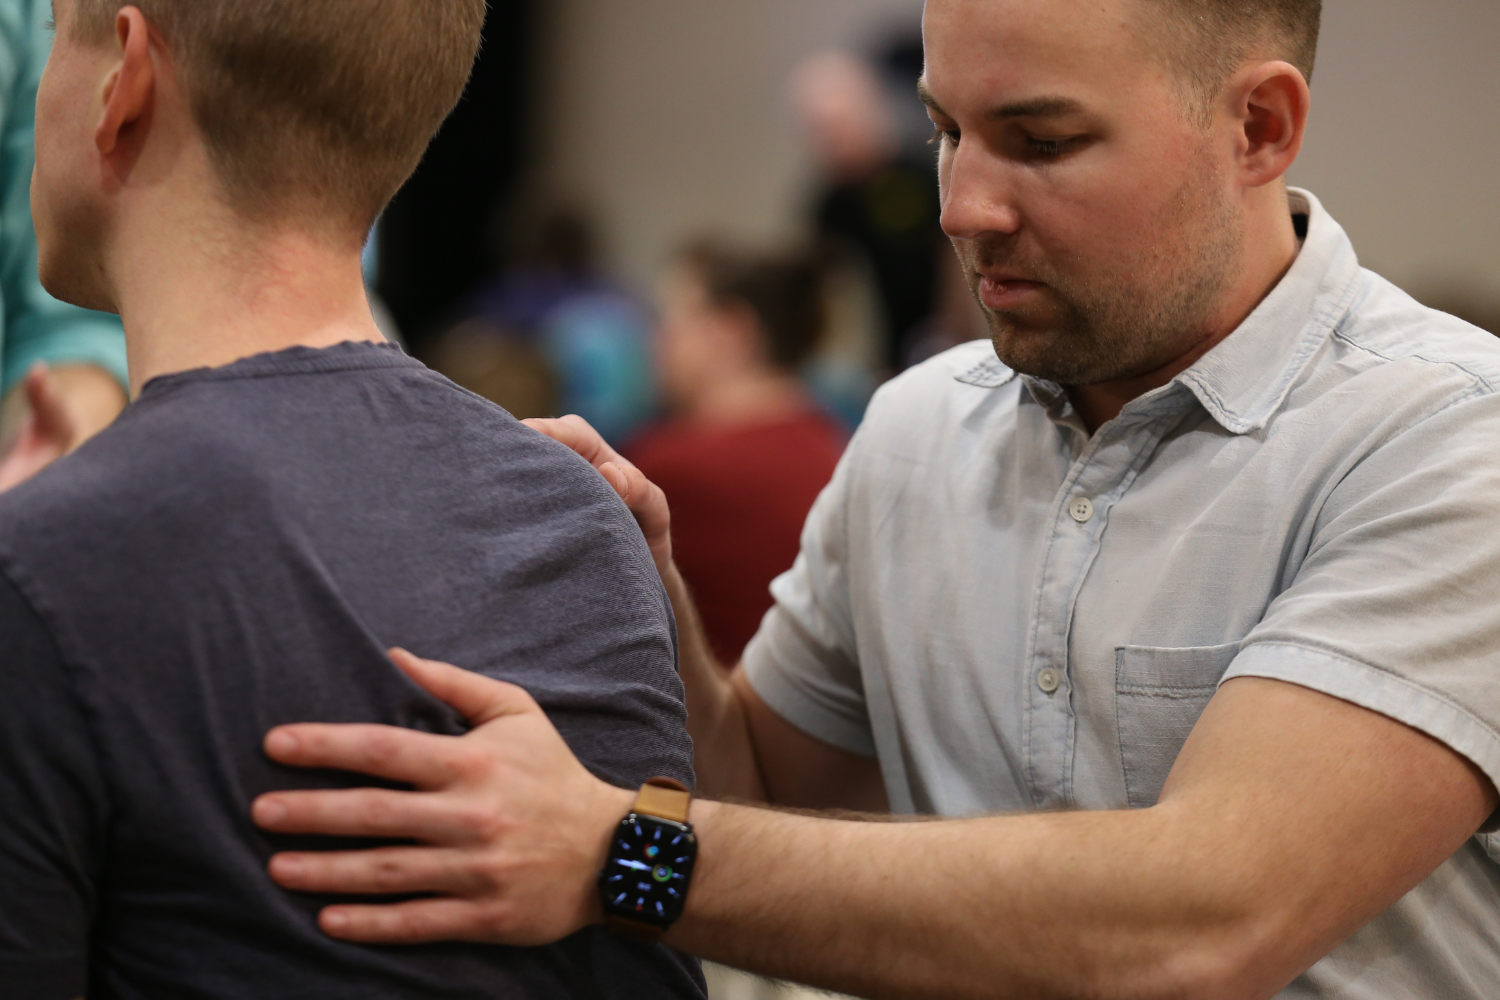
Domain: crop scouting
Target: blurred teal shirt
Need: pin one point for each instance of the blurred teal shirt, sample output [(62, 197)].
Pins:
[(33, 325)]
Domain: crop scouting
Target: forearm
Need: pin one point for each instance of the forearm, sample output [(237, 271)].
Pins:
[(724, 756), (1117, 904)]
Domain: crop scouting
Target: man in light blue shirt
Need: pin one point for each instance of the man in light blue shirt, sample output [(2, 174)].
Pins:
[(47, 413)]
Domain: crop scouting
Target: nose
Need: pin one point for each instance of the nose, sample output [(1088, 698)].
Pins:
[(978, 197)]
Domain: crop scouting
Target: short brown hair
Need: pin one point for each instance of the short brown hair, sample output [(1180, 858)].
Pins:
[(317, 108), (783, 290), (1206, 40)]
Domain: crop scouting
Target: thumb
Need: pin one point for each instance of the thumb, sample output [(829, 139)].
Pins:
[(478, 698), (52, 423)]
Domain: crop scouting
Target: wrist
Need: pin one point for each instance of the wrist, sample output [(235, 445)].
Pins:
[(648, 868)]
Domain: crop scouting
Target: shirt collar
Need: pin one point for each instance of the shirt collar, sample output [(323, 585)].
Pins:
[(1245, 378)]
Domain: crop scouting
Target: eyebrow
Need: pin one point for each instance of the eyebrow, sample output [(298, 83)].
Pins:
[(1035, 107)]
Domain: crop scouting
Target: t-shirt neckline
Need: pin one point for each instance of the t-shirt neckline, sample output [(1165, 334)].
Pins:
[(349, 355)]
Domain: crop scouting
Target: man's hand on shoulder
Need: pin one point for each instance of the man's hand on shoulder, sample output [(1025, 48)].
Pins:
[(52, 412), (516, 830), (644, 498)]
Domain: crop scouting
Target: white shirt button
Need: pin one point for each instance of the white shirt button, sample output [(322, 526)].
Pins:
[(1048, 680), (1082, 509)]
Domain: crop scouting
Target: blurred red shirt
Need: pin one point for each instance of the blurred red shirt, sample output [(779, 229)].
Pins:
[(739, 495)]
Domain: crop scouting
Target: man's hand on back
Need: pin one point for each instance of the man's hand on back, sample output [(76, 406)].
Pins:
[(1290, 820), (516, 828)]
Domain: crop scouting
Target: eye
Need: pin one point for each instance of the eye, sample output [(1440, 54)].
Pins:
[(941, 136), (1052, 149)]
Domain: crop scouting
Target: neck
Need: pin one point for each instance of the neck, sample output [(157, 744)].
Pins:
[(1270, 250), (197, 287), (746, 398)]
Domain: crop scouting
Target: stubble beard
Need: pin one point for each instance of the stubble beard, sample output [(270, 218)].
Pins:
[(1124, 323)]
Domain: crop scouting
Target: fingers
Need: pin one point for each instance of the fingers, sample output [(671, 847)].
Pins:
[(478, 698), (647, 503), (385, 751), (369, 812), (53, 422), (46, 434), (386, 871), (576, 433), (416, 922), (26, 457), (618, 481)]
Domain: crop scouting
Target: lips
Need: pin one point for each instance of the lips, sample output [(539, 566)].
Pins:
[(1003, 292)]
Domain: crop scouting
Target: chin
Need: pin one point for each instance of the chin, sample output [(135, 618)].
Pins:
[(1048, 353), (71, 268), (75, 285)]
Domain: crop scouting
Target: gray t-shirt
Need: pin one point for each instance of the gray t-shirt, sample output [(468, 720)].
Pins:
[(237, 552)]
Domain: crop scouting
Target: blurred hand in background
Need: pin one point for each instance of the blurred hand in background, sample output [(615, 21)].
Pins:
[(51, 412)]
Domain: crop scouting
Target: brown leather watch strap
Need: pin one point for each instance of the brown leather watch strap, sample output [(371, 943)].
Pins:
[(664, 799), (633, 930)]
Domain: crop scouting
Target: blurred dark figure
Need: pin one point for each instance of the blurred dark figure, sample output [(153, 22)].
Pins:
[(746, 450), (551, 335), (878, 199), (435, 236)]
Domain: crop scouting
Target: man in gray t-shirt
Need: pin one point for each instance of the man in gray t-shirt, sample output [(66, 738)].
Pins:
[(237, 551)]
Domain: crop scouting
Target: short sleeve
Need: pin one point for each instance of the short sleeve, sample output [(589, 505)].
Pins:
[(52, 800), (1396, 606), (802, 662)]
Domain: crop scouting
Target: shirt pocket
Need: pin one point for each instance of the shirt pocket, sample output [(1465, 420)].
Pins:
[(1159, 695)]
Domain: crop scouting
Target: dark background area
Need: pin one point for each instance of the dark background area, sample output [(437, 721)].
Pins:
[(436, 237)]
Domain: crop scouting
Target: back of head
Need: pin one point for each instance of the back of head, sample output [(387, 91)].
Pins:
[(316, 110), (783, 290), (1204, 41)]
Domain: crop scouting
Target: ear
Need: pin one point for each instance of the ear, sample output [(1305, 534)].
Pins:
[(130, 90), (1272, 101)]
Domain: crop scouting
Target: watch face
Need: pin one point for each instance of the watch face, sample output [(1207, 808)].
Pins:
[(649, 867)]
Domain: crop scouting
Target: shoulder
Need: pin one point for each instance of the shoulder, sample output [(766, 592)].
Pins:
[(1390, 328), (933, 399)]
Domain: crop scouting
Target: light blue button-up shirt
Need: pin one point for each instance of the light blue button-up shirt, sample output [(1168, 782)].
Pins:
[(1013, 614), (33, 325)]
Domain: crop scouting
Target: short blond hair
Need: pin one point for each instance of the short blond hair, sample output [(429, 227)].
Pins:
[(320, 109), (1206, 40)]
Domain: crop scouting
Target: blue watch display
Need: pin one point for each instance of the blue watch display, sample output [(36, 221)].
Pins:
[(650, 866)]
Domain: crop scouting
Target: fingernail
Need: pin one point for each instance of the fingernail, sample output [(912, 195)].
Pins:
[(269, 812), (287, 865), (334, 920), (281, 743)]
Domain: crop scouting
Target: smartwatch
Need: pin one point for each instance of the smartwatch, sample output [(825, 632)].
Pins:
[(644, 884)]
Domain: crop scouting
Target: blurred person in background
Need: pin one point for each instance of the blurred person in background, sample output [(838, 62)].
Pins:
[(734, 330), (551, 334), (62, 368), (877, 200)]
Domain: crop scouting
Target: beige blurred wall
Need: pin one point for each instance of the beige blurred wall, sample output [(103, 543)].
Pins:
[(669, 117), (1404, 146)]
